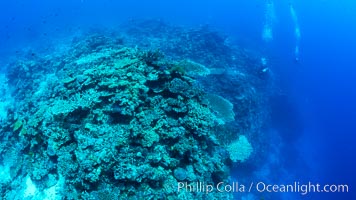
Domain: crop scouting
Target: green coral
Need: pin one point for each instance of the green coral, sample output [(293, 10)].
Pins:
[(17, 125)]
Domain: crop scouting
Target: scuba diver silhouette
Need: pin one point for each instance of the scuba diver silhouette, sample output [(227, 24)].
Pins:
[(270, 18), (296, 32)]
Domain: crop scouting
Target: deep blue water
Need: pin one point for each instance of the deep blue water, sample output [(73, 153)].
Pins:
[(314, 117)]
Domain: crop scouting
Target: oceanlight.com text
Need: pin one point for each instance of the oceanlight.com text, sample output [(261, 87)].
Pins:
[(303, 189)]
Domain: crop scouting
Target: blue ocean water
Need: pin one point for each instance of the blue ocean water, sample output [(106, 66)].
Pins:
[(313, 114)]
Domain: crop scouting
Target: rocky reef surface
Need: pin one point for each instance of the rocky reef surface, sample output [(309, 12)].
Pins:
[(130, 113)]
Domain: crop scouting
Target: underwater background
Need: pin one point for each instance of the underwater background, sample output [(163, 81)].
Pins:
[(301, 54)]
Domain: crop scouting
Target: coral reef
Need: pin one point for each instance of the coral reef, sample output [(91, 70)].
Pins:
[(106, 120)]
